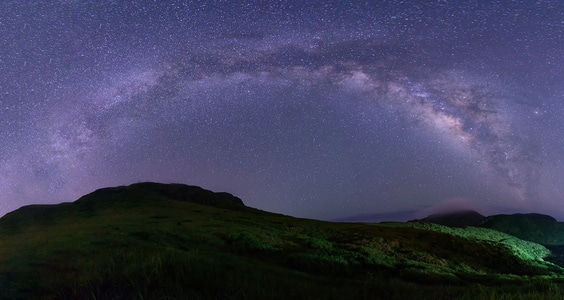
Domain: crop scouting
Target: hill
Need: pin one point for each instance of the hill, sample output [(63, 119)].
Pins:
[(158, 241), (455, 219), (538, 228)]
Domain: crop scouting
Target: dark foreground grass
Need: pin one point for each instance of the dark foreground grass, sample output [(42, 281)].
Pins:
[(160, 248)]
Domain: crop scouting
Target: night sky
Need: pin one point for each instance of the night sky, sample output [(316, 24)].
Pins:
[(318, 109)]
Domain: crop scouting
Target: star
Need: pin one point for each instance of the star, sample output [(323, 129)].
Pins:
[(312, 109)]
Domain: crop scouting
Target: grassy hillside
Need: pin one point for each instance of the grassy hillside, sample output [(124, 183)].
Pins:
[(153, 241), (532, 227)]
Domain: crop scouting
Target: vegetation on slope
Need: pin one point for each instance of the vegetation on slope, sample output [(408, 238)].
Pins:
[(532, 227), (537, 228), (153, 241)]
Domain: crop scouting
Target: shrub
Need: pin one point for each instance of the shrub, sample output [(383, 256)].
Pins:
[(246, 243)]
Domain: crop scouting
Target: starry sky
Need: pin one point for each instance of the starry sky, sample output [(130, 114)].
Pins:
[(318, 109)]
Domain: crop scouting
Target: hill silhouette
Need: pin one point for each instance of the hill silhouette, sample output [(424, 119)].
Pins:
[(135, 195), (173, 241), (455, 219)]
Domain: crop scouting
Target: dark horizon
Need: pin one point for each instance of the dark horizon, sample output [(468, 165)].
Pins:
[(377, 217)]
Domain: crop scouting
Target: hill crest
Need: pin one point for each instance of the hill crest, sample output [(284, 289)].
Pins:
[(125, 197), (460, 218), (173, 191)]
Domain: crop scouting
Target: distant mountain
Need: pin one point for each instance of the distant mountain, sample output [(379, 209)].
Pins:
[(455, 219), (174, 241), (400, 216)]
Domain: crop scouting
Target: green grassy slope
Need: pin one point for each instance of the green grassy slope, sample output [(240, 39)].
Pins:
[(532, 227), (153, 241)]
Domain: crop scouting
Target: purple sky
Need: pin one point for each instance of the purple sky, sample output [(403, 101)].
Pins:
[(319, 109)]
